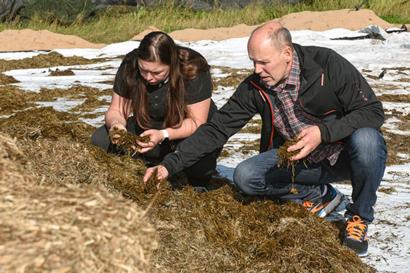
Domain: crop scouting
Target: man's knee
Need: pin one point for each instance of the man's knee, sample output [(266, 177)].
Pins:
[(243, 176), (367, 144)]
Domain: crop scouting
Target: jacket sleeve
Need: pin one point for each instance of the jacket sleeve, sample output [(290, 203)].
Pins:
[(238, 110), (361, 108)]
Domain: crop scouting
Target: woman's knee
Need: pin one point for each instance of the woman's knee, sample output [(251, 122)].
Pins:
[(100, 138)]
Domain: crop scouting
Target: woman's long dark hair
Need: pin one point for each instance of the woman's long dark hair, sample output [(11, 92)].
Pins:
[(184, 63)]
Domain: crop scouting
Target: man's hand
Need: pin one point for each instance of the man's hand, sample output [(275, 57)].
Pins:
[(162, 173), (115, 137), (155, 137), (308, 139)]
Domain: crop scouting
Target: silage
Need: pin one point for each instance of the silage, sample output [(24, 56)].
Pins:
[(49, 227), (13, 100), (127, 141), (45, 60), (231, 76), (217, 231), (5, 79), (58, 73), (285, 160)]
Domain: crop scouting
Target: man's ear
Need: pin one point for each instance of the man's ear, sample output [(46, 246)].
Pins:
[(287, 52)]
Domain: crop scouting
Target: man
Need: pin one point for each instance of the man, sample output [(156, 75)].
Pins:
[(311, 94)]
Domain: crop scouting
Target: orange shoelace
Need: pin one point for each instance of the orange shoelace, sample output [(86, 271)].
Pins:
[(356, 228), (308, 204)]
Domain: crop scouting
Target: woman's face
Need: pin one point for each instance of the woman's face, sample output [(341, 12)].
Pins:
[(153, 72)]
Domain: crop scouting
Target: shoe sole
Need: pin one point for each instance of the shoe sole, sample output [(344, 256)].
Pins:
[(363, 254), (331, 206)]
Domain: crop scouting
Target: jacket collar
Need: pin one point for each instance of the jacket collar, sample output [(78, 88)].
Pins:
[(310, 70)]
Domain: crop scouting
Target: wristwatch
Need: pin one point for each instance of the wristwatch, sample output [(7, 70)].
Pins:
[(165, 134)]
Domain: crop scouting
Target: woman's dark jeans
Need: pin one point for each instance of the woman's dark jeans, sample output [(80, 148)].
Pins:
[(362, 161)]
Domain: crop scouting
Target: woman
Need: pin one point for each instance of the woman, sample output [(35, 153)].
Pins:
[(167, 89)]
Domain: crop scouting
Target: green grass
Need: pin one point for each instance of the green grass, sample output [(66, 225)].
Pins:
[(395, 19), (119, 23)]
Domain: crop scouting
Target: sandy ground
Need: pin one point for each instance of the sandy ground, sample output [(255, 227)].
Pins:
[(25, 40), (313, 20)]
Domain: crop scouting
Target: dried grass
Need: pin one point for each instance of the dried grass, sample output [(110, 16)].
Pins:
[(45, 123), (225, 153), (127, 141), (254, 126), (249, 146), (75, 92), (55, 215), (45, 227), (396, 144), (285, 160), (405, 79), (45, 60), (387, 190), (218, 231), (381, 87), (12, 99), (59, 72), (5, 79), (90, 104), (234, 77), (395, 98)]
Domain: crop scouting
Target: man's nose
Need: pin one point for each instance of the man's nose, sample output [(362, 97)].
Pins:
[(258, 68)]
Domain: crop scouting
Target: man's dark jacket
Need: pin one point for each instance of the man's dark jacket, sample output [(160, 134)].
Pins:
[(331, 89)]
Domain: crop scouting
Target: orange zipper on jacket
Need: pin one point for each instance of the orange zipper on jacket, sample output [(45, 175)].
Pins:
[(265, 98)]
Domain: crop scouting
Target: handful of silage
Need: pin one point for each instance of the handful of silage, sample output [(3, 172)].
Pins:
[(285, 162), (127, 141), (153, 184)]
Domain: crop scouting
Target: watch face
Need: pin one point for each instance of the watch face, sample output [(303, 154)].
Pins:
[(165, 133)]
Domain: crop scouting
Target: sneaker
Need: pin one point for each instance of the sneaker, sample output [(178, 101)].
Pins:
[(200, 188), (355, 235), (329, 201)]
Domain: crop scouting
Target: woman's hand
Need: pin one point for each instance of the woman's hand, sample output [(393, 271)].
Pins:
[(117, 126), (162, 173), (155, 137)]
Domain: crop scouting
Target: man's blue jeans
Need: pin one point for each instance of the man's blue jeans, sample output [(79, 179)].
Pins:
[(362, 161)]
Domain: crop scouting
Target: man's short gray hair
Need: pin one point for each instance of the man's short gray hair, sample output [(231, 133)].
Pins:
[(280, 37)]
